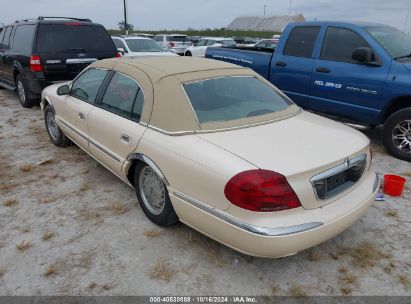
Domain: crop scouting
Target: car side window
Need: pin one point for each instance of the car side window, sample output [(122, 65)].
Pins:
[(87, 85), (212, 42), (120, 95), (119, 44), (23, 38), (202, 42), (138, 105), (6, 40), (340, 43), (301, 41), (2, 31)]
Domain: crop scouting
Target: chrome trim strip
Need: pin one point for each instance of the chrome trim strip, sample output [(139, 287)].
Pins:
[(280, 231), (74, 130), (92, 142), (80, 60), (104, 151), (149, 162), (348, 163)]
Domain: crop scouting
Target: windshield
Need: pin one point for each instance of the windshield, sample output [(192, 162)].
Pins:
[(395, 42), (73, 37), (228, 42), (231, 98), (143, 45)]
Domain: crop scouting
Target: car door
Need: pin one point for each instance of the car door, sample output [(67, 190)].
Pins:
[(74, 109), (200, 48), (120, 44), (6, 59), (114, 125), (2, 32), (292, 65), (340, 85)]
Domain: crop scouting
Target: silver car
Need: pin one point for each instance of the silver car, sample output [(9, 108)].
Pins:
[(175, 43)]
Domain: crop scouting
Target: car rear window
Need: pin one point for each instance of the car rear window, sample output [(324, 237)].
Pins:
[(178, 38), (231, 98), (73, 37)]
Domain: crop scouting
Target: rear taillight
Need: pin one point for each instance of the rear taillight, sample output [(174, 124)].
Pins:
[(171, 44), (72, 23), (35, 64), (262, 191), (118, 55)]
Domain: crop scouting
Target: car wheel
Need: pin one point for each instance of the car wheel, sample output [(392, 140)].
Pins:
[(57, 136), (153, 196), (188, 54), (22, 90), (397, 134)]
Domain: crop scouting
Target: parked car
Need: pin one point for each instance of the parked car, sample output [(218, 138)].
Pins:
[(238, 161), (266, 44), (355, 71), (245, 41), (199, 49), (132, 46), (194, 39), (39, 52), (175, 43), (151, 36)]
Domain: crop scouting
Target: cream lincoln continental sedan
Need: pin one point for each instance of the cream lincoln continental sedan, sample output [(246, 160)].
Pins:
[(219, 148)]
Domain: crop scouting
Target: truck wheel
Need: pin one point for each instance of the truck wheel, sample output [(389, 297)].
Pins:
[(397, 134), (23, 92)]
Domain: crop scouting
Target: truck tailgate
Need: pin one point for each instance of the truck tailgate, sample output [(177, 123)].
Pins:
[(258, 61)]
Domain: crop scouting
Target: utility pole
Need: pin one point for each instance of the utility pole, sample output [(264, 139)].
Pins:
[(125, 18), (406, 21), (289, 11), (264, 9)]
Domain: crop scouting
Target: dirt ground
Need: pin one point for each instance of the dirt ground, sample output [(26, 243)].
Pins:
[(70, 227)]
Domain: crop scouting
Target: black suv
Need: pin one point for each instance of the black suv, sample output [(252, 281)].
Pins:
[(37, 53)]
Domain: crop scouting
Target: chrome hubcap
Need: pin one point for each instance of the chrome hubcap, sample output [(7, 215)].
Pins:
[(52, 126), (152, 190), (401, 136), (20, 90)]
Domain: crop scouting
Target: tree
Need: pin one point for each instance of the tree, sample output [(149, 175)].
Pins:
[(121, 26)]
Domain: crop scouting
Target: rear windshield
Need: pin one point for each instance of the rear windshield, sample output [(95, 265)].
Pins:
[(73, 37), (143, 45), (178, 38), (231, 98)]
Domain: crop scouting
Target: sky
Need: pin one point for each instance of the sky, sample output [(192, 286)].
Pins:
[(201, 14)]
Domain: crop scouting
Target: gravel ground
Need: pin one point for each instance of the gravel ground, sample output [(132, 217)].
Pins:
[(69, 227)]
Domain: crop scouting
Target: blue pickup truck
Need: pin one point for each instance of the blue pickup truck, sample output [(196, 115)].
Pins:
[(356, 71)]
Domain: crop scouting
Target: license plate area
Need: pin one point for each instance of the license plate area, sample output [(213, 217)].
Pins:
[(336, 180)]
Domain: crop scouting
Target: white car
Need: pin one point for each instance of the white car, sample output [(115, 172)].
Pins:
[(199, 49), (175, 43), (135, 46)]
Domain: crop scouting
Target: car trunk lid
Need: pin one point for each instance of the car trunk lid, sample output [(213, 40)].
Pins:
[(300, 148)]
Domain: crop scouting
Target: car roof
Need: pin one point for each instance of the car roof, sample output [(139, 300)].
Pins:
[(131, 37), (163, 77), (339, 23), (160, 67), (216, 38)]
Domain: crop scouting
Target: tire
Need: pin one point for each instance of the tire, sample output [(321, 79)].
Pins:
[(22, 91), (397, 134), (161, 212), (57, 136), (188, 53)]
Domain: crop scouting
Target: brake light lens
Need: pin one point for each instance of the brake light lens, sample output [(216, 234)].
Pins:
[(35, 64), (118, 55), (171, 44), (261, 191), (72, 23)]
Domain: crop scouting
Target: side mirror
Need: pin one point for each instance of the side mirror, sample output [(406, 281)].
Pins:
[(121, 50), (365, 55), (63, 90)]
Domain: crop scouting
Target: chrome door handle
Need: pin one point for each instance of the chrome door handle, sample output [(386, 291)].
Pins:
[(125, 138), (81, 115)]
